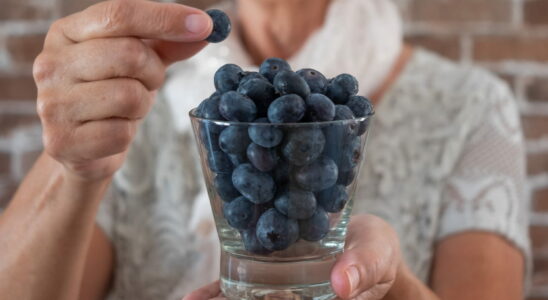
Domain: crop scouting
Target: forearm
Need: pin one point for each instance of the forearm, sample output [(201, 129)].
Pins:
[(45, 233), (408, 286)]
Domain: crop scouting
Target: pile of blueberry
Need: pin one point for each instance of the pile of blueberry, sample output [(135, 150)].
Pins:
[(279, 183)]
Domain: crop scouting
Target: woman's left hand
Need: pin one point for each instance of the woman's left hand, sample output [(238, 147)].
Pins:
[(366, 270)]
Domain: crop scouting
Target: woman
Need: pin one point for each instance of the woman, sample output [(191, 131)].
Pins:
[(444, 173)]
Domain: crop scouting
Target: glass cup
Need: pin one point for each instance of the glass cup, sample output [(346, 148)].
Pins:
[(281, 195)]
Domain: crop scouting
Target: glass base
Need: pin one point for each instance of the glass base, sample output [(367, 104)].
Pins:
[(247, 278)]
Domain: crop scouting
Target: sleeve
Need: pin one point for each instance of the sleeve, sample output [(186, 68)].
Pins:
[(487, 189)]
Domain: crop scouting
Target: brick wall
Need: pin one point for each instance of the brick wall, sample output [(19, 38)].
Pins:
[(509, 37)]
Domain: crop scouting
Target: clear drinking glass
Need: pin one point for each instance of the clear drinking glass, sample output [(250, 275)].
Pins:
[(301, 269)]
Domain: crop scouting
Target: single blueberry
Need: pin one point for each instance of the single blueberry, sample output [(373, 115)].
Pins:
[(333, 199), (237, 107), (209, 108), (224, 187), (296, 203), (264, 159), (317, 176), (275, 231), (351, 155), (265, 135), (346, 177), (287, 109), (221, 26), (315, 80), (319, 108), (316, 227), (288, 82), (260, 91), (219, 162), (227, 78), (343, 112), (251, 75), (256, 186), (241, 213), (360, 106), (271, 66), (340, 88), (234, 139), (303, 145), (251, 243)]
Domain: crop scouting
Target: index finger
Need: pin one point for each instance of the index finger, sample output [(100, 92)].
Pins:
[(136, 18)]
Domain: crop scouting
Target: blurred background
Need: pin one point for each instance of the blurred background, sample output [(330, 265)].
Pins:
[(509, 37)]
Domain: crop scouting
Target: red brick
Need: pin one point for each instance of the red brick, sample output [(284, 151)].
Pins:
[(24, 49), (17, 88), (539, 237), (540, 200), (25, 9), (448, 46), (535, 127), (461, 10), (10, 122), (497, 48), (537, 89), (535, 12), (537, 163)]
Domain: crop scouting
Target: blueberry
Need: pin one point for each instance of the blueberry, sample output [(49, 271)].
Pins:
[(343, 112), (260, 91), (341, 88), (264, 159), (317, 176), (221, 26), (351, 155), (219, 162), (288, 82), (237, 159), (246, 76), (287, 109), (251, 243), (360, 106), (303, 145), (271, 66), (241, 213), (224, 187), (333, 199), (296, 203), (256, 186), (265, 135), (315, 80), (237, 107), (281, 172), (319, 108), (316, 227), (209, 135), (346, 177), (275, 231), (227, 78), (234, 139), (209, 108)]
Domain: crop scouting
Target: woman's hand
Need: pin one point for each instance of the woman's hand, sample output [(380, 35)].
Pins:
[(97, 74), (366, 270)]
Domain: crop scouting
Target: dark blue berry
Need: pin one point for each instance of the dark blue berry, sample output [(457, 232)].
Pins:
[(209, 108), (275, 231), (346, 177), (317, 176), (265, 135), (260, 91), (224, 187), (316, 227), (251, 243), (227, 78), (333, 199), (315, 80), (219, 162), (343, 112), (288, 82), (264, 159), (287, 109), (241, 213), (319, 108), (221, 26), (296, 203), (234, 139), (351, 155), (251, 75), (271, 66), (360, 106), (303, 145), (256, 186), (341, 88), (209, 135), (237, 107)]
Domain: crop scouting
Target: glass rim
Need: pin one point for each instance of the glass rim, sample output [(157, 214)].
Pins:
[(232, 123)]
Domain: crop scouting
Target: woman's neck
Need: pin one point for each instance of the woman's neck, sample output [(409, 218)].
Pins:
[(278, 28)]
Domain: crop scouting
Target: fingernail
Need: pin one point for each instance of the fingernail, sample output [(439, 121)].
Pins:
[(353, 277), (197, 23)]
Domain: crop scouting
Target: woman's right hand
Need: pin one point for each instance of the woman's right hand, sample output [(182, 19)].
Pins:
[(98, 73)]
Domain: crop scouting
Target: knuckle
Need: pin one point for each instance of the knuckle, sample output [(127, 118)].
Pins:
[(44, 67), (46, 108), (53, 141), (134, 53), (131, 97)]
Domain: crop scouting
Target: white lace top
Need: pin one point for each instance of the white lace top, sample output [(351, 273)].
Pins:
[(445, 155)]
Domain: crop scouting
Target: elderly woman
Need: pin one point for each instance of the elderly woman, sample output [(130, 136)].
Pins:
[(443, 183)]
